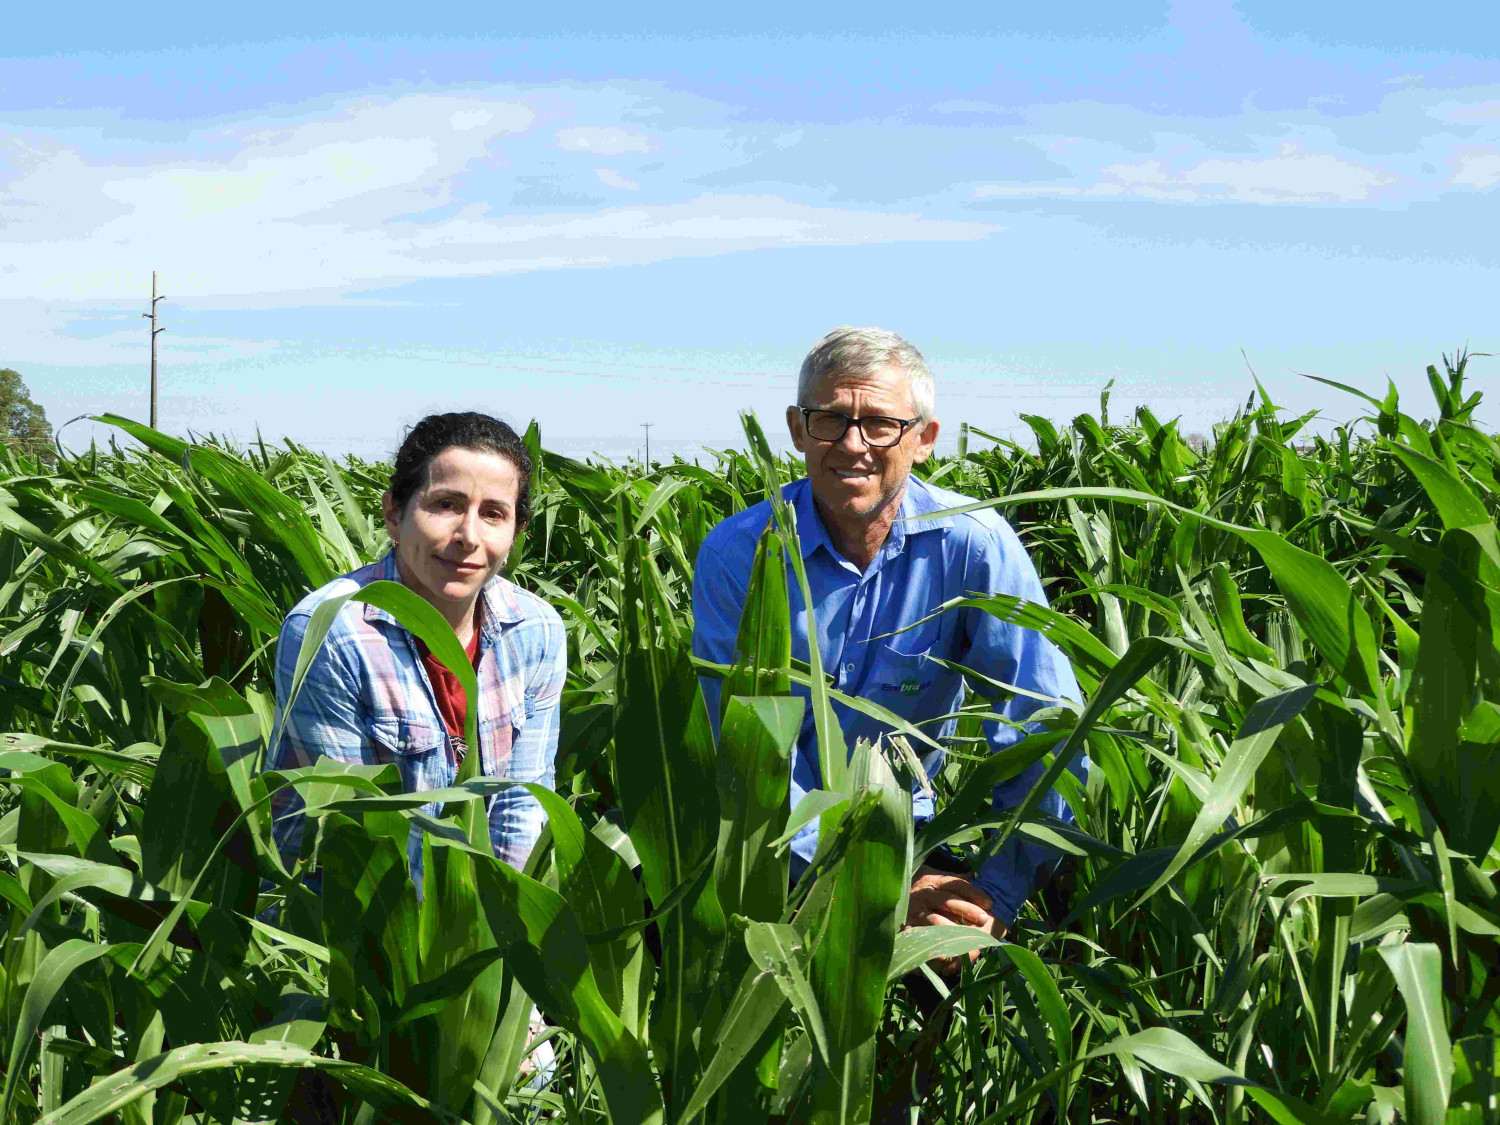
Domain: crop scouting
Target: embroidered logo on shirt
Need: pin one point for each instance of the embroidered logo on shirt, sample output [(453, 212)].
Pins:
[(909, 687)]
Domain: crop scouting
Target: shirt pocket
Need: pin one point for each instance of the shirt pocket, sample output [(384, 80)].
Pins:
[(415, 746), (902, 677), (917, 641)]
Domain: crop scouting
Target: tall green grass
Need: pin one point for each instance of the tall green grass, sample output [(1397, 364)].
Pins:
[(1280, 898)]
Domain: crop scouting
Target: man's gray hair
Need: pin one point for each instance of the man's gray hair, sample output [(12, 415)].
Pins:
[(859, 351)]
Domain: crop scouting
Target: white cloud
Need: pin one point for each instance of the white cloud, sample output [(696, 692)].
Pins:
[(1478, 170), (1385, 153), (50, 332), (599, 141), (1459, 112), (361, 158), (465, 119), (1061, 191), (612, 179), (709, 224), (374, 192), (1290, 177), (966, 105)]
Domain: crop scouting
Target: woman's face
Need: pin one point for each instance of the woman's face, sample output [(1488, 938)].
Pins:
[(457, 528)]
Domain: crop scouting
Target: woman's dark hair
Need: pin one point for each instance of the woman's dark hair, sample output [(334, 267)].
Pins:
[(468, 430)]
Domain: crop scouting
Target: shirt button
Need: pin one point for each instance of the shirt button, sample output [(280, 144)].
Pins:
[(849, 668)]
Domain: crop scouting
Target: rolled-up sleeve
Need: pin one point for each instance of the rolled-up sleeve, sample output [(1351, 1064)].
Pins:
[(1025, 659)]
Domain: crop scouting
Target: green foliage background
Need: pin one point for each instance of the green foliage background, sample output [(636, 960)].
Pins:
[(23, 423), (1283, 893)]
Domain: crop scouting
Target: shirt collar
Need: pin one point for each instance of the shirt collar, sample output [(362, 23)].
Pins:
[(917, 500), (498, 602), (811, 533)]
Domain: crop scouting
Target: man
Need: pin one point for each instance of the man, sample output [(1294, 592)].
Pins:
[(864, 417)]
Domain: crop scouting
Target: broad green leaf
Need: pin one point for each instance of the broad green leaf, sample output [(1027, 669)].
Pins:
[(1143, 655), (545, 948), (813, 806), (1263, 723), (604, 895), (1174, 1053), (1317, 594), (757, 1003), (38, 801), (1143, 868), (1456, 505), (833, 753), (213, 697), (51, 975), (916, 946), (119, 1090), (460, 981), (756, 737), (664, 766), (1428, 1078), (370, 920), (763, 647), (867, 906), (781, 951), (1453, 774), (958, 813), (134, 763), (1231, 617), (201, 786)]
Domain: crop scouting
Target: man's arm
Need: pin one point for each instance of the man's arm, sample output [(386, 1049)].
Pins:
[(1026, 659), (718, 602)]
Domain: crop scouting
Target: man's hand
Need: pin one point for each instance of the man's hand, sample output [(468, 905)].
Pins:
[(942, 899)]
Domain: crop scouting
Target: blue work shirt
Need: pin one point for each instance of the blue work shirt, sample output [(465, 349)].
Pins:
[(920, 566)]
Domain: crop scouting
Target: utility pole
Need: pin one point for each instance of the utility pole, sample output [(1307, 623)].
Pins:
[(155, 331), (647, 427)]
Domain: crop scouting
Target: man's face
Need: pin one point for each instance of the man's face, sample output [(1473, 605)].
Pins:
[(852, 481)]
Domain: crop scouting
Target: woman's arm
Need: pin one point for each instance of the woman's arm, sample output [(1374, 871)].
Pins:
[(325, 718), (516, 816)]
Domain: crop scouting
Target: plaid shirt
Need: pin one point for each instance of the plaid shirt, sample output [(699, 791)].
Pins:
[(367, 699)]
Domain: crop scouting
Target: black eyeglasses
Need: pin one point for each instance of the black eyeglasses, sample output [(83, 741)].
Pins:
[(878, 431)]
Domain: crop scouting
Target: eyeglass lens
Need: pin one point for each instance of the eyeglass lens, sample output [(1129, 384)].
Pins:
[(827, 425)]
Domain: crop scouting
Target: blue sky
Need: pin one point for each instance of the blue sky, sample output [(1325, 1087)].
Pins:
[(599, 217)]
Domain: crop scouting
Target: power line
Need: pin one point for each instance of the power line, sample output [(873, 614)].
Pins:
[(155, 332)]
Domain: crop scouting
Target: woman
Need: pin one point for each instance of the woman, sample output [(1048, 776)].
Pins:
[(460, 491)]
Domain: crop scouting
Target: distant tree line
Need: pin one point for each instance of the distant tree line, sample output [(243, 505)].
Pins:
[(23, 424)]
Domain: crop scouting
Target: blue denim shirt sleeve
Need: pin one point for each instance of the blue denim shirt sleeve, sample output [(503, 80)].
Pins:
[(1025, 658), (323, 719), (515, 815)]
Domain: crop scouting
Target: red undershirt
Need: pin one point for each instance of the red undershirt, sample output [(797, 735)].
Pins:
[(450, 693)]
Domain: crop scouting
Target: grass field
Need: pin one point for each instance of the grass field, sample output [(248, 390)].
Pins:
[(1284, 902)]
